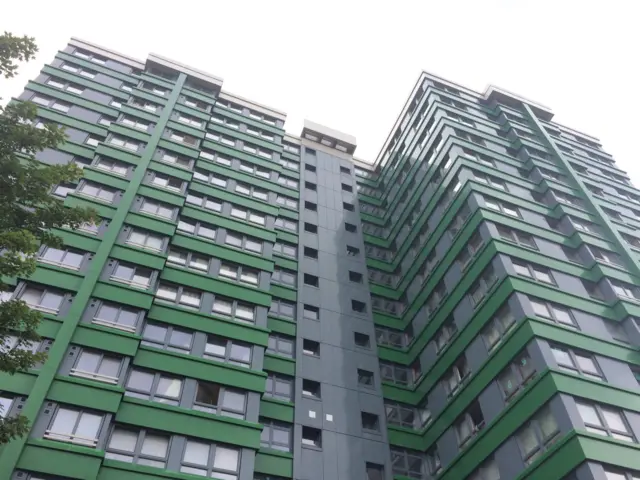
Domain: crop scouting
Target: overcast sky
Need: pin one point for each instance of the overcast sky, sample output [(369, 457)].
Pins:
[(351, 64)]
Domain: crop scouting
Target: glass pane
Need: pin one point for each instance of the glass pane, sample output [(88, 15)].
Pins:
[(88, 362), (109, 367), (51, 300), (169, 387), (614, 420), (233, 400), (226, 459), (589, 414), (208, 393), (65, 421), (154, 332), (527, 440), (127, 317), (89, 425), (216, 346), (562, 357), (241, 353), (587, 365), (548, 424), (107, 312), (142, 381), (123, 440), (155, 446), (53, 255), (180, 339), (197, 453)]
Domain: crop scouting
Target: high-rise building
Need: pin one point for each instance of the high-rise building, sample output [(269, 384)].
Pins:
[(253, 305)]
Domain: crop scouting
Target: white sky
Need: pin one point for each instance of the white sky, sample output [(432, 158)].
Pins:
[(351, 64)]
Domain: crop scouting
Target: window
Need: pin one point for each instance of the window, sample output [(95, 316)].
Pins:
[(469, 423), (310, 228), (248, 215), (604, 420), (282, 308), (606, 256), (184, 138), (516, 236), (97, 191), (456, 375), (64, 85), (43, 299), (618, 475), (132, 275), (395, 373), (311, 312), (355, 277), (487, 471), (536, 272), (311, 186), (228, 351), (350, 227), (220, 400), (176, 160), (244, 243), (75, 426), (149, 241), (170, 183), (210, 177), (375, 471), (135, 123), (287, 202), (179, 295), (311, 437), (157, 209), (167, 337), (138, 446), (502, 207), (552, 311), (538, 435), (239, 273), (370, 421), (116, 316), (276, 435), (64, 189), (310, 252), (282, 345), (124, 142), (311, 280), (112, 166), (352, 251), (445, 334), (407, 415), (284, 277), (279, 387), (481, 287), (365, 378), (198, 229), (625, 290), (286, 249), (409, 463), (286, 224), (469, 250), (358, 307), (188, 120), (210, 203), (361, 340), (498, 327), (576, 362), (289, 164), (255, 170), (188, 259), (155, 387), (66, 258), (516, 375), (288, 182), (235, 309), (249, 190), (95, 365), (310, 347)]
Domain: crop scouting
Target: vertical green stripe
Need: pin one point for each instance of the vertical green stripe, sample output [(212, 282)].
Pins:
[(11, 452), (603, 217)]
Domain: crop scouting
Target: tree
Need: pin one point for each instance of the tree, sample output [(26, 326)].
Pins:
[(28, 212)]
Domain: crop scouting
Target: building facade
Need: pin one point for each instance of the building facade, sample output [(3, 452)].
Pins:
[(253, 305)]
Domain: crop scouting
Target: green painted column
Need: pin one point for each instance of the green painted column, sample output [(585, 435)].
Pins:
[(11, 452)]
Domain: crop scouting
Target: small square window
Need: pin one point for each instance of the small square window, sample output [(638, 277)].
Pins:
[(359, 307), (348, 206), (311, 388), (345, 170), (370, 421), (361, 340), (311, 280), (310, 252), (310, 347), (350, 227), (309, 168), (365, 377), (353, 251), (311, 206), (375, 471), (310, 151), (310, 227), (355, 277), (310, 186), (309, 311), (347, 188), (311, 437)]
